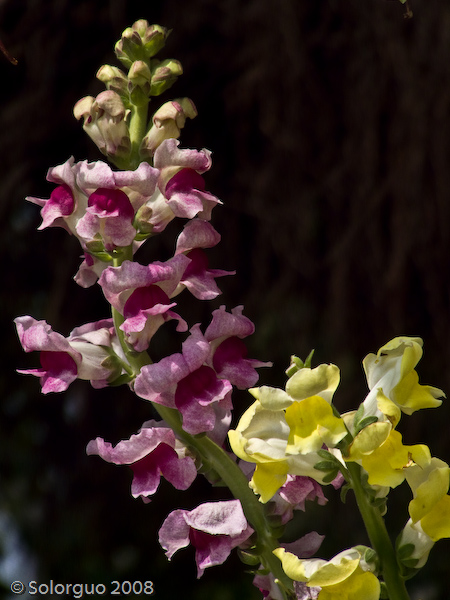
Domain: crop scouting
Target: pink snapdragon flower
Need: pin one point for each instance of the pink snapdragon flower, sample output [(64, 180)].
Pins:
[(151, 453), (142, 295), (189, 381), (91, 352), (228, 352), (182, 381), (213, 528), (181, 180), (198, 279), (98, 206), (293, 494)]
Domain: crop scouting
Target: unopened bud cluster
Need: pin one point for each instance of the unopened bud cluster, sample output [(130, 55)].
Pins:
[(107, 118)]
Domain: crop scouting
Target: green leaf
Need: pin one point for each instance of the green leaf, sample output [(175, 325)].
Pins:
[(332, 475), (326, 465)]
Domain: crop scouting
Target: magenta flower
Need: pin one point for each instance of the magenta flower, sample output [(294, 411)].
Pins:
[(98, 206), (229, 353), (189, 381), (181, 182), (199, 280), (109, 216), (142, 295), (66, 203), (293, 494), (86, 354), (182, 381), (151, 453), (213, 528)]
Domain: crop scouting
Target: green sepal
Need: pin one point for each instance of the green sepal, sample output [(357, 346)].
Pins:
[(330, 476), (140, 237), (248, 557), (344, 491), (405, 551), (325, 465), (297, 364), (364, 423), (103, 256), (123, 379)]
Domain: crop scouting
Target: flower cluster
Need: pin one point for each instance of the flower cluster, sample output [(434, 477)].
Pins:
[(298, 432), (290, 442)]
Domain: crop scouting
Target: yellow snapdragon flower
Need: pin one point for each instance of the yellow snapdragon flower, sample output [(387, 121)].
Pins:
[(391, 370), (341, 578), (282, 431)]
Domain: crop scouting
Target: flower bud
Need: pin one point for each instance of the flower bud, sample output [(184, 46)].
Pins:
[(139, 78), (114, 79), (140, 42), (105, 123), (164, 75), (168, 121)]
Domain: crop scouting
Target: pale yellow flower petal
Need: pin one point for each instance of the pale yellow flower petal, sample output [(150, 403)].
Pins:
[(272, 398), (312, 424), (386, 465), (268, 478), (361, 585), (436, 523), (429, 484), (316, 572), (369, 439), (320, 381), (412, 396)]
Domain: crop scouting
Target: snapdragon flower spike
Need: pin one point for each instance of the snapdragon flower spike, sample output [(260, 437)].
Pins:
[(142, 295), (181, 182), (151, 453), (213, 528), (86, 354)]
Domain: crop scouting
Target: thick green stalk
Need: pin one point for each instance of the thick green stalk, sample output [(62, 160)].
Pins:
[(379, 538), (137, 129)]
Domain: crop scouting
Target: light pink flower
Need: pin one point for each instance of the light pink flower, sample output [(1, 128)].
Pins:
[(142, 295), (86, 354), (181, 182), (213, 528), (151, 453)]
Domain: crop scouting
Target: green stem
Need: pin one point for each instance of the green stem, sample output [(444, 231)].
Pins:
[(237, 482), (379, 538), (137, 129)]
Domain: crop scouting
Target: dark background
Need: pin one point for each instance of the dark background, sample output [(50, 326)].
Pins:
[(329, 124)]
